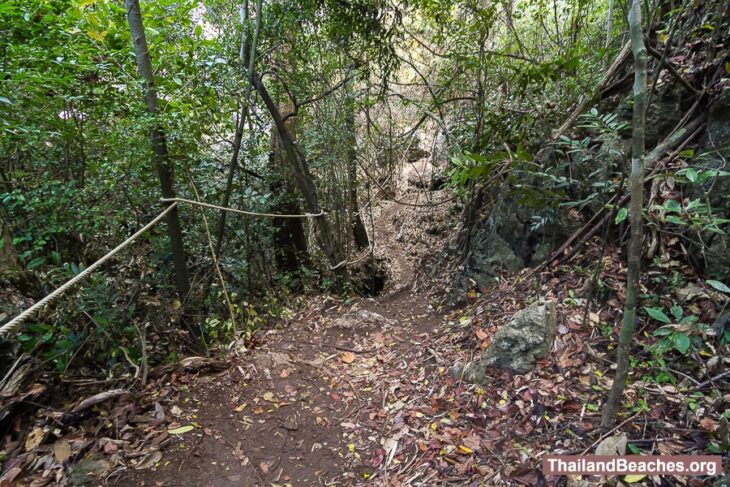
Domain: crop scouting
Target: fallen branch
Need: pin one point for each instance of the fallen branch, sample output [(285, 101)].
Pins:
[(587, 100), (711, 380), (98, 398), (670, 67), (680, 138)]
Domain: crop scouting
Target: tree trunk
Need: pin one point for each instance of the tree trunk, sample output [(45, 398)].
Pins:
[(358, 227), (299, 168), (245, 55), (290, 240), (613, 403), (159, 145)]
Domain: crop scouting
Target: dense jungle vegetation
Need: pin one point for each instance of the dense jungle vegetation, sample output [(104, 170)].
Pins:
[(420, 170)]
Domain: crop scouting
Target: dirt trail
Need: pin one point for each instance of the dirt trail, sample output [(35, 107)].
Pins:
[(313, 405)]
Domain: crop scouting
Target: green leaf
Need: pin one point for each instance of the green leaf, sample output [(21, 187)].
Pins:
[(674, 219), (37, 262), (673, 205), (658, 315), (621, 215), (664, 331), (719, 286), (677, 312), (681, 342), (5, 100), (692, 175), (181, 430), (687, 153), (632, 479), (634, 449)]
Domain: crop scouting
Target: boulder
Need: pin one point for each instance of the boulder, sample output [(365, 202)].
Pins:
[(517, 345), (512, 236), (715, 251)]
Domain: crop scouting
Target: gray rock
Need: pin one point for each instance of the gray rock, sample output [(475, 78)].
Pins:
[(718, 124), (715, 251), (520, 343)]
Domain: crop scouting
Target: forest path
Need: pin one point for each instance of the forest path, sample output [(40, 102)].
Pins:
[(317, 403)]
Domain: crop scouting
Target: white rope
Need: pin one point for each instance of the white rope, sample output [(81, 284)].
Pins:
[(350, 262), (242, 212), (11, 326)]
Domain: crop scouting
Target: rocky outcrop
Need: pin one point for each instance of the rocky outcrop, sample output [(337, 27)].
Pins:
[(715, 156), (510, 238), (518, 345)]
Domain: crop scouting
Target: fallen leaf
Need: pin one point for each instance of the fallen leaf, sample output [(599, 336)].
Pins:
[(348, 357), (708, 424), (269, 396), (181, 430), (631, 479), (613, 445), (149, 460), (62, 451), (34, 439), (240, 408)]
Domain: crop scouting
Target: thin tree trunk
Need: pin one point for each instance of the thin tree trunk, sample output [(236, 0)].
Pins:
[(290, 240), (613, 403), (609, 32), (358, 227), (299, 167), (300, 170), (159, 145)]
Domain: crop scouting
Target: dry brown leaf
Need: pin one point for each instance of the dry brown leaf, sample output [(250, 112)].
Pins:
[(34, 439), (62, 451), (348, 357), (708, 424)]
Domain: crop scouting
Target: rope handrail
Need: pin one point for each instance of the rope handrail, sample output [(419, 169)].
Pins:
[(241, 212), (347, 262), (12, 325)]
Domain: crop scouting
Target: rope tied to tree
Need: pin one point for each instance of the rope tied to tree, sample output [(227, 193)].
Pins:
[(14, 324), (241, 212)]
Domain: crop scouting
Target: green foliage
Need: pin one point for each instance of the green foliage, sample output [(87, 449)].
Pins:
[(680, 332)]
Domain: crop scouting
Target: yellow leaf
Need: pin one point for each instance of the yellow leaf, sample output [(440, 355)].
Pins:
[(351, 447), (240, 408), (727, 67), (176, 304), (85, 3), (181, 430), (348, 357), (466, 449), (97, 36), (631, 479), (269, 396)]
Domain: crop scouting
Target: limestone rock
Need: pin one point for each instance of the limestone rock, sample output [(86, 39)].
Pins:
[(520, 343)]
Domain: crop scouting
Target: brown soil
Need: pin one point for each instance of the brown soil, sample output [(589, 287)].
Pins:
[(310, 406)]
